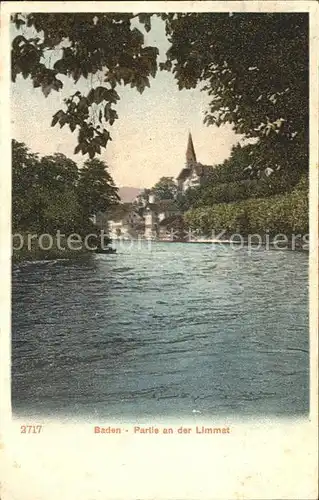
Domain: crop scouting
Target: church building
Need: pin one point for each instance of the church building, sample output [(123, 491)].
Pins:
[(153, 220), (194, 173)]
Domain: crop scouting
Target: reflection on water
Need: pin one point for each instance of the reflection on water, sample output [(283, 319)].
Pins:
[(166, 331)]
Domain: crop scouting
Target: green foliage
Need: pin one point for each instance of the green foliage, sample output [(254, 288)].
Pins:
[(233, 191), (57, 172), (142, 199), (165, 189), (61, 211), (253, 65), (255, 68), (103, 44), (236, 179), (96, 189), (176, 227), (59, 250), (238, 167), (24, 165), (286, 214), (43, 191), (303, 183), (51, 193)]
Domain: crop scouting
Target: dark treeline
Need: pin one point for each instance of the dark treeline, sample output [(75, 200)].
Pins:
[(237, 180), (52, 193), (238, 197)]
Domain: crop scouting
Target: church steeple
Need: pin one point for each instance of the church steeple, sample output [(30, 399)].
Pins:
[(190, 151)]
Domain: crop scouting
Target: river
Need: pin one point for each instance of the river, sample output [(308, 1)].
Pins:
[(162, 330)]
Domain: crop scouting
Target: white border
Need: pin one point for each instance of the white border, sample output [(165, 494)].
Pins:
[(299, 480)]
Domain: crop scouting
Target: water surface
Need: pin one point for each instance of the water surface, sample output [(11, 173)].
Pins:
[(172, 330)]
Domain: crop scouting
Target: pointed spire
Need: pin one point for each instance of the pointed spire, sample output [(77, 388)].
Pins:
[(190, 151)]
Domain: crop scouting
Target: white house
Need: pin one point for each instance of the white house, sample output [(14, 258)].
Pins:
[(125, 224)]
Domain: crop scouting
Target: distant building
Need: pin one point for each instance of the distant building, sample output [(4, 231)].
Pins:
[(125, 223), (151, 221), (166, 209), (156, 213), (150, 218), (161, 215), (194, 173), (100, 220)]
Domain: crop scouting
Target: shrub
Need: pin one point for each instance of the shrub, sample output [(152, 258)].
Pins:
[(286, 214)]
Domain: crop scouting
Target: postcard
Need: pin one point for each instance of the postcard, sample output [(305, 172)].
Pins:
[(159, 248)]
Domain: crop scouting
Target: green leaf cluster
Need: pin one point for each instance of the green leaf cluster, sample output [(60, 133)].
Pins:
[(238, 178), (165, 189), (103, 44), (52, 193), (254, 66), (286, 214)]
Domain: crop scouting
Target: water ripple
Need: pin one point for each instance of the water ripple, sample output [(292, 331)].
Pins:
[(149, 332)]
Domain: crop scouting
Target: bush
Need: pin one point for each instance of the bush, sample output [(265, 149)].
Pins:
[(286, 214), (208, 195)]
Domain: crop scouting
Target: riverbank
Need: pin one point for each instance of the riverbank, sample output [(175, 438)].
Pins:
[(31, 247), (291, 243), (277, 217), (32, 250), (53, 254), (254, 242)]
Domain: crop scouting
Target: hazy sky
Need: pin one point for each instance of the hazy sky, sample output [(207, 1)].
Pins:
[(150, 136)]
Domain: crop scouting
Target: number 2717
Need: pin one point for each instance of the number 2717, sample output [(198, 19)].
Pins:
[(30, 429)]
